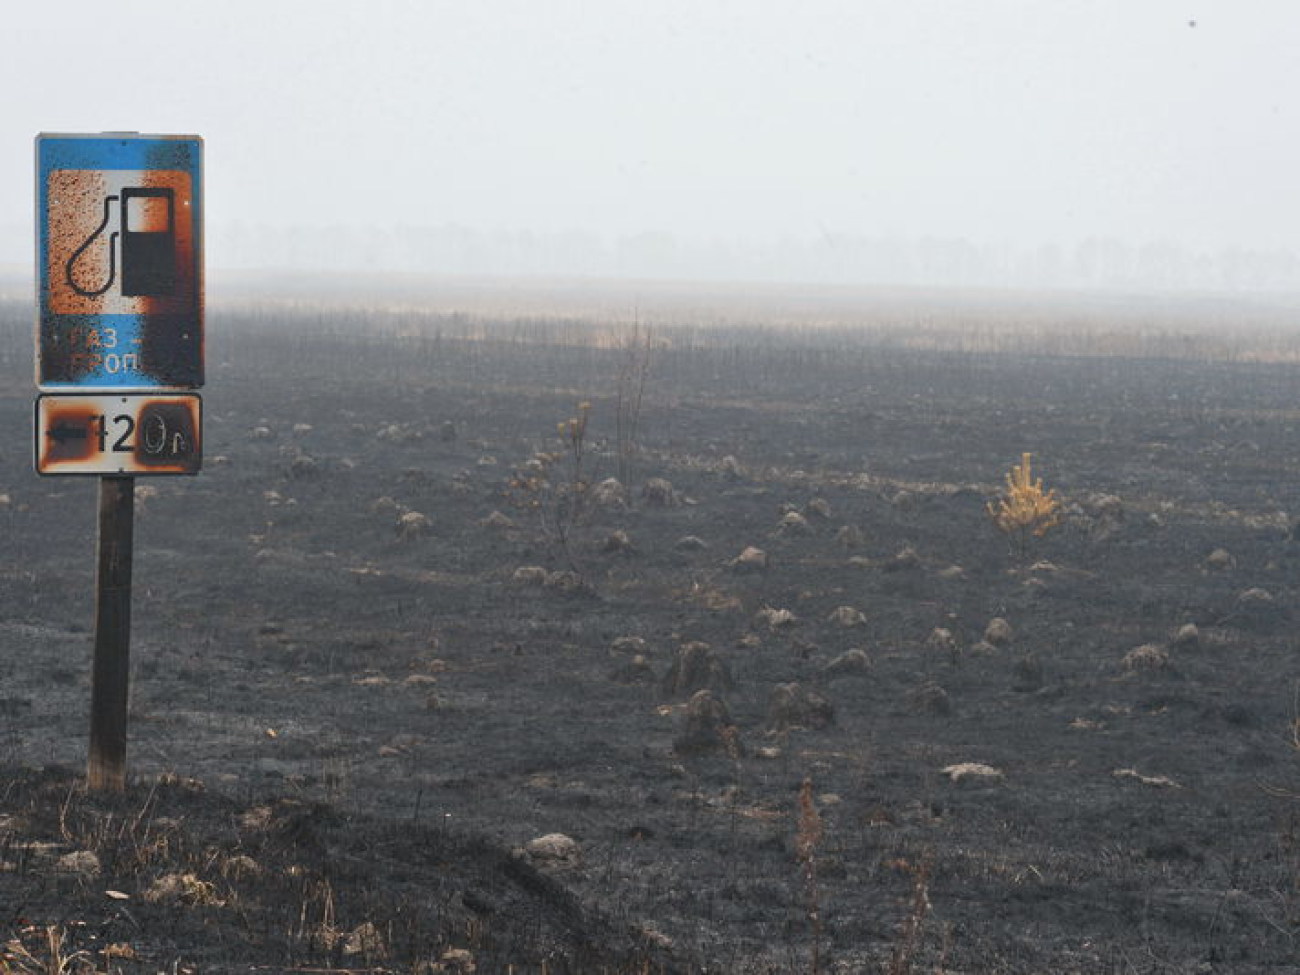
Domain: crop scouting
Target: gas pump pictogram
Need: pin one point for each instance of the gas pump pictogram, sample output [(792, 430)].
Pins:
[(146, 239), (120, 253)]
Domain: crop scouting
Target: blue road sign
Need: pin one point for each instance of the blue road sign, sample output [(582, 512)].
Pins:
[(119, 262)]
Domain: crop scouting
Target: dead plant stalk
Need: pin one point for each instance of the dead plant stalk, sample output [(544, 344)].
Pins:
[(808, 837)]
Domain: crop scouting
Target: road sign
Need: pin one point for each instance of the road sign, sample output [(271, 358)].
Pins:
[(119, 434), (119, 261)]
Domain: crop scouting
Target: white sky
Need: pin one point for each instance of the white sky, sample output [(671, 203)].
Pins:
[(1000, 121)]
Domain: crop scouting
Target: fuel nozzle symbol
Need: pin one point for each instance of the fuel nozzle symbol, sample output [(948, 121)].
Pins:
[(146, 240)]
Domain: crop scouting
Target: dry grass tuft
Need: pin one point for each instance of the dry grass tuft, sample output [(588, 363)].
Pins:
[(41, 951), (182, 888)]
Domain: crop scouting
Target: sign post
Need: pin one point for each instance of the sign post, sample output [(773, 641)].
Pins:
[(111, 676), (119, 352)]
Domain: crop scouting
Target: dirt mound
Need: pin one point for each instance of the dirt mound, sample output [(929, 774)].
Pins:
[(278, 881)]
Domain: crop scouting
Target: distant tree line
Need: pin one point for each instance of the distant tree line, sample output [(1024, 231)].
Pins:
[(830, 258)]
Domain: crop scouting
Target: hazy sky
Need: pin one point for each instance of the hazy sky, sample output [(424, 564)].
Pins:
[(1004, 122)]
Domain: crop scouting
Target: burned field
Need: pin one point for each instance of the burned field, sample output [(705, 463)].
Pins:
[(791, 700)]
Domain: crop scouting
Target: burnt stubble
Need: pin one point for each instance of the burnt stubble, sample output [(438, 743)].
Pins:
[(337, 722)]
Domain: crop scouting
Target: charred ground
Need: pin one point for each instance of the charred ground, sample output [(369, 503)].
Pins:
[(379, 719)]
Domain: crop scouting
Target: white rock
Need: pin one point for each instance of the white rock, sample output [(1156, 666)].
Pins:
[(554, 849), (972, 770)]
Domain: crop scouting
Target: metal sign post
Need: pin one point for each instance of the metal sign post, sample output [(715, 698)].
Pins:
[(119, 349), (106, 768)]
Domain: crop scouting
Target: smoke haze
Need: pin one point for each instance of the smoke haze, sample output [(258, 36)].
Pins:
[(1101, 144)]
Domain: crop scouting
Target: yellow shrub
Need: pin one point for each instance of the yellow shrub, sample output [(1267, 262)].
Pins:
[(1024, 507)]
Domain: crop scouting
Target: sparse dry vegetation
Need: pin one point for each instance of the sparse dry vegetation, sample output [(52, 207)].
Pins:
[(383, 729), (629, 399), (554, 485)]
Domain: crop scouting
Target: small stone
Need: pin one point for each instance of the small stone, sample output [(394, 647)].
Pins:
[(412, 525), (941, 640), (1158, 781), (930, 698), (793, 523), (1220, 559), (554, 850), (849, 663), (628, 644), (848, 617), (498, 521), (998, 632), (752, 559), (774, 619), (973, 771), (529, 575)]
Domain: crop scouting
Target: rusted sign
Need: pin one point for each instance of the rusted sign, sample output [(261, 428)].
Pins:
[(119, 434), (120, 262)]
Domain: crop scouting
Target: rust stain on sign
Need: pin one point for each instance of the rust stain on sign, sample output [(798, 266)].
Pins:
[(120, 266)]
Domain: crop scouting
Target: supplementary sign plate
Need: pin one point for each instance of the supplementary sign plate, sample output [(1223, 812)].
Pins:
[(119, 434)]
